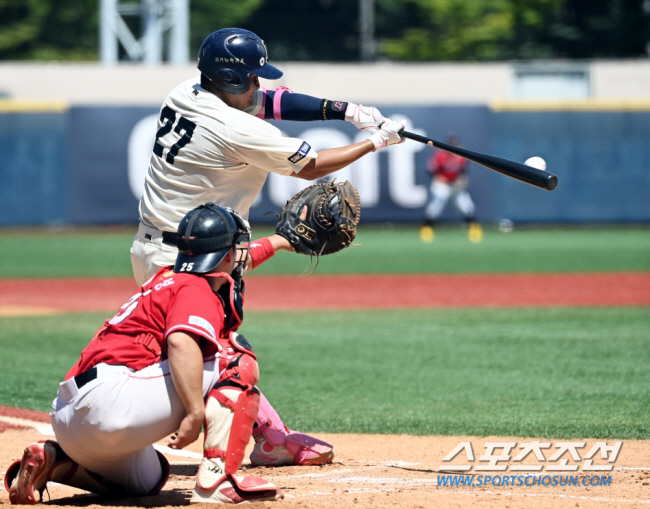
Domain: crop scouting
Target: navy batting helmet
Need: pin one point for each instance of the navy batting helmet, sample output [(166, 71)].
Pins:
[(229, 55), (205, 235)]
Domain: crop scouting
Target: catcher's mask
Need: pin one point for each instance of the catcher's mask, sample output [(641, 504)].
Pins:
[(206, 234), (229, 55)]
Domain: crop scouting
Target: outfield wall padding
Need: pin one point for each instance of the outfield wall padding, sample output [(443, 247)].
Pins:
[(85, 164)]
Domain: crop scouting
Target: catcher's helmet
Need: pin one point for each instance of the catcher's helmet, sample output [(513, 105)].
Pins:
[(205, 235), (229, 55)]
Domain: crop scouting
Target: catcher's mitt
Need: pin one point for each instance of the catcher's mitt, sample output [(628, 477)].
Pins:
[(333, 212)]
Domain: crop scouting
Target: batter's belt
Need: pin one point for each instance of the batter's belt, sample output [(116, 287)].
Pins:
[(152, 234)]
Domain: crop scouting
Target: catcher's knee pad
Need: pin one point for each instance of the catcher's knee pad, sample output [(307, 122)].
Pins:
[(242, 361)]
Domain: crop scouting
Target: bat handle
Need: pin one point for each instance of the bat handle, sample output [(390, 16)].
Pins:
[(415, 137)]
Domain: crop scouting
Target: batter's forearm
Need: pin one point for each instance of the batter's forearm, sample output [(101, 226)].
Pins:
[(333, 159), (283, 104)]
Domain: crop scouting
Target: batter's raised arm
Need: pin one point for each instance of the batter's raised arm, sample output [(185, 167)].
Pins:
[(283, 104)]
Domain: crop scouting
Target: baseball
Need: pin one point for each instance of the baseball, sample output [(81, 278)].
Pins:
[(536, 162)]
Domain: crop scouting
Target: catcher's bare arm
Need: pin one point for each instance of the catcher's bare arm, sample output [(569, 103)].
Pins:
[(264, 248), (186, 369)]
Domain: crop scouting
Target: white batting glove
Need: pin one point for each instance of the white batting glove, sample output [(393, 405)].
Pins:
[(364, 117), (387, 134)]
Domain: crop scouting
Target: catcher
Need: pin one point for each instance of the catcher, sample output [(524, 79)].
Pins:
[(170, 361)]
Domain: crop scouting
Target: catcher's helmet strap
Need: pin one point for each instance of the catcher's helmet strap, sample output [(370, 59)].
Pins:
[(232, 298), (200, 246)]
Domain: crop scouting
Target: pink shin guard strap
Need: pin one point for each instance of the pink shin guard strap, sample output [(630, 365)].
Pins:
[(269, 423), (214, 453)]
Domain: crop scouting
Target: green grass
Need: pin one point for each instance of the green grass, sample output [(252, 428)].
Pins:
[(66, 253), (399, 250), (558, 373), (37, 352), (395, 249)]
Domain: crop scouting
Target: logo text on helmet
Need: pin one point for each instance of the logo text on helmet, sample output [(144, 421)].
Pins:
[(234, 60)]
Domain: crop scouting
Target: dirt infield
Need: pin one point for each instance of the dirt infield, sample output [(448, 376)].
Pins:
[(41, 296), (379, 471), (388, 471)]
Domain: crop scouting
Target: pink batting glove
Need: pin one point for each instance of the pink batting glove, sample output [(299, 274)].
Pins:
[(364, 118)]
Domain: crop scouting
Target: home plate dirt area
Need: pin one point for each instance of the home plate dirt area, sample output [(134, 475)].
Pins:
[(376, 471), (386, 471)]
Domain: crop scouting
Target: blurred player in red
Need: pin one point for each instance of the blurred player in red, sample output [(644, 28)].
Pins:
[(449, 180)]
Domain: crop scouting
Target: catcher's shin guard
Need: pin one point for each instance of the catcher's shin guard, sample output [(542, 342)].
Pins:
[(45, 461), (230, 411), (276, 445)]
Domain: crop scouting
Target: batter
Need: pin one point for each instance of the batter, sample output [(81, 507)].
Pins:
[(213, 144)]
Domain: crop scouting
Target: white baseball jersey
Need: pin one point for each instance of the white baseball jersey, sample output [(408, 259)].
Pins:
[(206, 151)]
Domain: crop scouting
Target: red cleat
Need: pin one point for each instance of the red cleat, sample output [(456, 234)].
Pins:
[(32, 475)]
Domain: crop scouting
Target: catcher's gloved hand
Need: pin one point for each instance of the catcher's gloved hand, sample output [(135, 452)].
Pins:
[(387, 134), (330, 224), (365, 118)]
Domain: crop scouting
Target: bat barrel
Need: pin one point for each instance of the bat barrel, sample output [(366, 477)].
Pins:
[(519, 171), (551, 182)]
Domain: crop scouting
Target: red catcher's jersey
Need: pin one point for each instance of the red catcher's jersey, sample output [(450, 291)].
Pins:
[(447, 165), (137, 335)]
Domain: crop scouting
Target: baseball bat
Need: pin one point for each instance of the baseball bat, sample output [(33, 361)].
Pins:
[(519, 171)]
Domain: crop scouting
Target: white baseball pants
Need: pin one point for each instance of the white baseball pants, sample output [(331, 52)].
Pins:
[(108, 425)]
